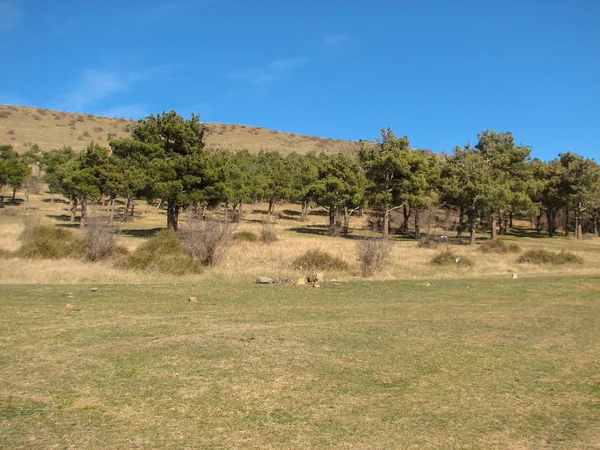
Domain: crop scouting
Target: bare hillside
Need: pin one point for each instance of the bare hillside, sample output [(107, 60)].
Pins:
[(24, 126)]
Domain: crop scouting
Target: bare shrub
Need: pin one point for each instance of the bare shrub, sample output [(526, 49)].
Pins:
[(267, 233), (11, 131), (87, 134), (36, 117), (98, 129), (80, 119), (373, 254), (100, 238), (207, 241), (4, 114)]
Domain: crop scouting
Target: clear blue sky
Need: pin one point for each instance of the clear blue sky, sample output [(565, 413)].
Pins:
[(436, 71)]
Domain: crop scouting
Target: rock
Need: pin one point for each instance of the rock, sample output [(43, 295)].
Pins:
[(515, 276), (93, 289), (320, 276), (264, 280), (317, 284), (68, 295), (299, 281), (193, 300), (69, 306)]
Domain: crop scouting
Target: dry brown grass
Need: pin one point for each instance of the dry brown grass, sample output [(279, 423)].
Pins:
[(247, 260), (23, 126)]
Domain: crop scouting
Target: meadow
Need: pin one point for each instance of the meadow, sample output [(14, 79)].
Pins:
[(416, 356)]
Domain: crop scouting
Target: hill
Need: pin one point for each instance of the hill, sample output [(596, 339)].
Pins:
[(24, 126)]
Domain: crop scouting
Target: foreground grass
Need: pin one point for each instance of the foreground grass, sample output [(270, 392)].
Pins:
[(477, 363)]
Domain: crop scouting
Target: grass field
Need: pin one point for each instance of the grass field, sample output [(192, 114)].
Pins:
[(463, 363), (417, 356)]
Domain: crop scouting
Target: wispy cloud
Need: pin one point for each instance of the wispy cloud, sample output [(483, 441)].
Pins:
[(10, 15), (272, 71), (95, 85), (127, 111), (335, 40)]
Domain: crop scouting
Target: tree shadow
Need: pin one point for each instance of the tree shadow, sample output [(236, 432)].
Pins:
[(291, 212), (56, 200), (60, 217), (525, 232), (144, 233)]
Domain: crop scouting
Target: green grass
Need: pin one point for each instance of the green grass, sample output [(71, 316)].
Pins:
[(486, 363)]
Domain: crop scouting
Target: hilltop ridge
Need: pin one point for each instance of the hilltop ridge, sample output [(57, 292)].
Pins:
[(24, 126)]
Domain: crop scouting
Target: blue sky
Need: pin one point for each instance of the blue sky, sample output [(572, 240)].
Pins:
[(436, 71)]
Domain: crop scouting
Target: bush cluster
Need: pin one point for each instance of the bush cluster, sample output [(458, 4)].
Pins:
[(541, 256), (318, 260), (499, 246), (247, 236), (163, 252), (47, 242), (448, 258)]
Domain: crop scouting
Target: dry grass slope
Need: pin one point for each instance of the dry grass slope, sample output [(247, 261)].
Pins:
[(24, 126)]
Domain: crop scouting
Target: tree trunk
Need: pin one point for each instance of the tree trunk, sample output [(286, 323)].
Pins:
[(417, 224), (172, 215), (386, 225), (83, 213), (566, 221), (132, 206), (127, 202), (111, 209), (270, 210), (472, 226), (493, 221), (14, 196), (538, 223), (73, 208), (346, 228), (332, 211), (406, 214)]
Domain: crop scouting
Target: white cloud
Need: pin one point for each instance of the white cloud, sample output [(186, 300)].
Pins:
[(94, 85), (10, 15), (271, 72), (336, 40)]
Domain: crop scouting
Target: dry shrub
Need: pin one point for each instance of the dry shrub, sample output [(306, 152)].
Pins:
[(541, 256), (267, 233), (318, 260), (206, 241), (373, 254), (47, 242), (163, 253), (5, 254), (100, 238), (448, 258), (499, 246)]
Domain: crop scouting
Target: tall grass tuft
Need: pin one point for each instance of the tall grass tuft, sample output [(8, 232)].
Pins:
[(499, 246), (449, 258), (163, 253), (541, 256), (318, 260), (47, 242)]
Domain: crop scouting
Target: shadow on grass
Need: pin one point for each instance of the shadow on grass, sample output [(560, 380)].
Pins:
[(60, 217), (56, 200), (525, 232), (145, 233)]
